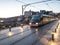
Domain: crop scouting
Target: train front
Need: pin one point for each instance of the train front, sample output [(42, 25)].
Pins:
[(35, 20)]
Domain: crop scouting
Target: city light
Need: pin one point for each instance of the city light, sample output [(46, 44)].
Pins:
[(30, 23), (10, 33), (52, 43), (1, 20), (36, 23)]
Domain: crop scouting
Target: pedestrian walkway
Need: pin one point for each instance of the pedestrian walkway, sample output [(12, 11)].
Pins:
[(47, 38), (56, 37)]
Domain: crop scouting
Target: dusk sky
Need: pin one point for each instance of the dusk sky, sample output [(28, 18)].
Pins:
[(10, 8)]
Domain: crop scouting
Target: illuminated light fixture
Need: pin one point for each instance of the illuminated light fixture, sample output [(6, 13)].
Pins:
[(36, 23), (52, 43), (1, 20), (10, 33), (30, 23)]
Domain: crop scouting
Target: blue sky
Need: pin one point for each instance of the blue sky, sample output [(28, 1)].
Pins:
[(10, 8)]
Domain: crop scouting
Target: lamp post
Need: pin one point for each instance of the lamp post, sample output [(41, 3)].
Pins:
[(22, 9)]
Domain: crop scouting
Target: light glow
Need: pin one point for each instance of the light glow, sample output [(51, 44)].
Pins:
[(36, 23), (30, 23), (10, 33), (52, 43)]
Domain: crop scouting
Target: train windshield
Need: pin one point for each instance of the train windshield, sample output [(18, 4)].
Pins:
[(35, 18)]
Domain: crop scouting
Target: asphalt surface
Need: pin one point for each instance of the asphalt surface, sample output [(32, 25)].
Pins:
[(24, 35)]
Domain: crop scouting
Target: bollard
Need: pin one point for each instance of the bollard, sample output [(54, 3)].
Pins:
[(57, 25), (10, 28), (52, 37), (55, 30)]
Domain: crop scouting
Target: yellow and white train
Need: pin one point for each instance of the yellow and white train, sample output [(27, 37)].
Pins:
[(37, 20)]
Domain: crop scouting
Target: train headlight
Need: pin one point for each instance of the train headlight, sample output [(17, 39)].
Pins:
[(36, 23), (30, 23)]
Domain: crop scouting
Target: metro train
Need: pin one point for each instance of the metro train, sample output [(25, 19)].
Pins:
[(38, 20)]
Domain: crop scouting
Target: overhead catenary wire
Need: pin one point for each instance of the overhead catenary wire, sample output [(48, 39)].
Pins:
[(25, 3), (49, 6), (51, 2)]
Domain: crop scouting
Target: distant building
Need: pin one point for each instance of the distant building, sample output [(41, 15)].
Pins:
[(27, 13), (50, 12), (46, 12), (30, 13), (58, 15), (42, 11)]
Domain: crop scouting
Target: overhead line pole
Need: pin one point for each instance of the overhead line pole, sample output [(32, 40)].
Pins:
[(24, 6)]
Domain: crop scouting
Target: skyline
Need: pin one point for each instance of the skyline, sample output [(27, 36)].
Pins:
[(10, 8)]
